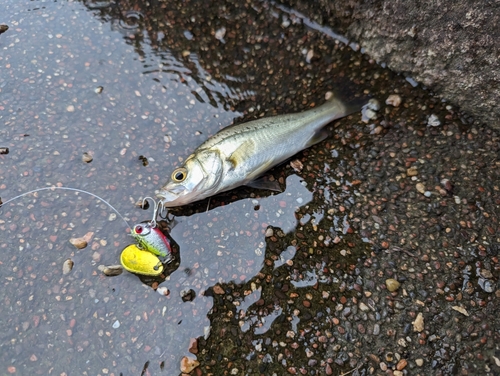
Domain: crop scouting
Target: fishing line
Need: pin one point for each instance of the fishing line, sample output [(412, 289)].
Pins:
[(68, 189)]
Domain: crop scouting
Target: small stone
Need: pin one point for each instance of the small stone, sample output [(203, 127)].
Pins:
[(462, 310), (188, 364), (433, 121), (393, 100), (70, 108), (98, 90), (111, 270), (418, 324), (397, 373), (220, 33), (87, 158), (67, 266), (419, 362), (485, 273), (186, 53), (363, 307), (116, 324), (401, 364), (269, 232), (392, 284), (193, 346), (162, 290), (296, 165), (4, 150), (383, 366), (218, 290), (420, 188), (412, 171), (79, 243), (3, 28)]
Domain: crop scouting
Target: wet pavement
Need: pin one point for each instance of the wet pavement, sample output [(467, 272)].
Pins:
[(379, 257)]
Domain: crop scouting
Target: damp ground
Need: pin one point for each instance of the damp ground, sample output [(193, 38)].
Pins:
[(262, 283)]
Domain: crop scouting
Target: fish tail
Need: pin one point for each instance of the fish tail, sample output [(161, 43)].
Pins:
[(345, 101)]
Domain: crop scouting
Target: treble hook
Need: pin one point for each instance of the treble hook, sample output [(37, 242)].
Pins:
[(155, 210)]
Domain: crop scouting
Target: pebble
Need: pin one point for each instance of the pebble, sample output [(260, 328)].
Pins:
[(67, 266), (392, 284), (162, 290), (111, 270), (116, 324), (462, 310), (4, 150), (393, 100), (418, 324), (79, 243), (419, 362), (188, 364), (98, 90), (87, 158), (433, 121), (412, 171), (401, 364), (3, 28), (420, 188)]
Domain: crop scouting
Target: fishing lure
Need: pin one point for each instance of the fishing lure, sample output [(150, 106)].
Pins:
[(150, 238), (141, 258)]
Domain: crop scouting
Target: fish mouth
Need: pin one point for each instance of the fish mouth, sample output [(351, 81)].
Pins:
[(167, 198)]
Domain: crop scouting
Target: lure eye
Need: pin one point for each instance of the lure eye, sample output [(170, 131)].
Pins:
[(138, 229), (179, 175)]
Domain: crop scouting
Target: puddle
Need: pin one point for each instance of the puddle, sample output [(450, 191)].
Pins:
[(262, 282)]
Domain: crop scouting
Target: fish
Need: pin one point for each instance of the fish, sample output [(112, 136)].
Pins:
[(150, 238), (239, 154)]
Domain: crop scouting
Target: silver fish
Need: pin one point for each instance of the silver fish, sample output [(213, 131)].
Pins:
[(239, 154)]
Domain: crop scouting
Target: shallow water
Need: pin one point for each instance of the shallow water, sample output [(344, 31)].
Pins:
[(114, 80), (266, 282)]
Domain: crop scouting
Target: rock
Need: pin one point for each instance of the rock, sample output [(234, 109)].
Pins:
[(218, 290), (393, 100), (418, 324), (412, 171), (420, 188), (87, 158), (79, 243), (188, 364), (401, 364), (67, 266), (392, 284), (4, 150), (111, 270), (3, 28), (193, 346)]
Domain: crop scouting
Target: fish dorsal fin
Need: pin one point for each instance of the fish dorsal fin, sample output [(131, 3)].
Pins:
[(242, 153)]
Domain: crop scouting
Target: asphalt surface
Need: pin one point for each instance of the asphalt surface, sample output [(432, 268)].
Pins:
[(380, 256)]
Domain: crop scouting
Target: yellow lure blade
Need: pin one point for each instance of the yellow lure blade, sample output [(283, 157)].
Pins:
[(137, 261)]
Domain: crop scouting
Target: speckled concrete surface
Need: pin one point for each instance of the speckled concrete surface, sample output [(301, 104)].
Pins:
[(379, 257)]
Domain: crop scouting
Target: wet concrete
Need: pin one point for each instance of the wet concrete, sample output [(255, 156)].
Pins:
[(292, 283)]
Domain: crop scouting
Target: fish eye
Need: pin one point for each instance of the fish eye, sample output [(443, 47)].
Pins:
[(179, 175)]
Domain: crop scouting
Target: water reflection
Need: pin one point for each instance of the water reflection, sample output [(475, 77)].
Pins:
[(167, 82)]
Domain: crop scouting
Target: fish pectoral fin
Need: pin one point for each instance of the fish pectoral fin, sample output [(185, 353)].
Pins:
[(264, 183), (242, 153), (317, 137), (258, 181)]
